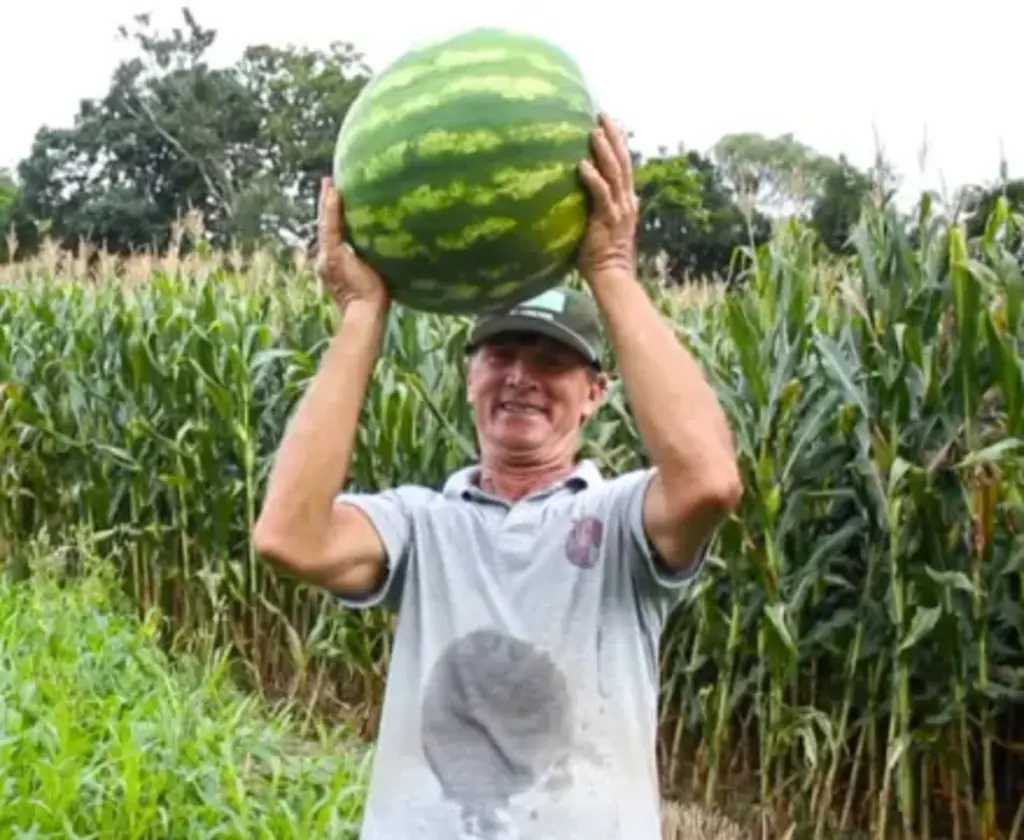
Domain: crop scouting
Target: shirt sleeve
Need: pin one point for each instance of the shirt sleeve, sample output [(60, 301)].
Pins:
[(652, 579), (392, 513)]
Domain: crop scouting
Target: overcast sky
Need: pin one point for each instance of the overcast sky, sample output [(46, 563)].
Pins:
[(906, 68)]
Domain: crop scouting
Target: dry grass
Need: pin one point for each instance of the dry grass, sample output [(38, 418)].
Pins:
[(688, 821)]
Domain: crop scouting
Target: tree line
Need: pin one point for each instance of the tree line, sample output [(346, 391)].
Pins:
[(245, 146)]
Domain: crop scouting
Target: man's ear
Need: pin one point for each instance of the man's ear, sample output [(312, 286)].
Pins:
[(467, 375), (598, 389)]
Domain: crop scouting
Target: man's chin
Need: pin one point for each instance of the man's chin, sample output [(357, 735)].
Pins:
[(523, 427), (520, 442)]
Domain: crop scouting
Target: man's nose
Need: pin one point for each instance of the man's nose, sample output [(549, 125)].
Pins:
[(516, 371)]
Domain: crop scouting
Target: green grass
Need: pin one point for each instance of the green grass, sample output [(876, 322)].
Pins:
[(102, 736)]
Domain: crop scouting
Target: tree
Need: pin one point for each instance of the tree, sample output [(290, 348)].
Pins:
[(978, 203), (301, 97), (786, 177), (242, 145), (780, 174), (689, 218), (8, 205), (671, 215), (838, 206)]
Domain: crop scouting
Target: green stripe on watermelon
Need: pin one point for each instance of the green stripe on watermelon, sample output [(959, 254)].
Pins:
[(509, 101), (477, 46), (510, 280), (455, 131), (465, 294), (512, 170), (417, 215), (426, 157), (438, 76), (459, 145)]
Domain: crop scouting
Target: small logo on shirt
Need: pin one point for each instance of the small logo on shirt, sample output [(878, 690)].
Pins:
[(584, 542)]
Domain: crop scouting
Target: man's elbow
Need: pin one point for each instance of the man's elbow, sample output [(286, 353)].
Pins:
[(708, 501), (724, 490), (284, 554), (685, 511), (274, 544)]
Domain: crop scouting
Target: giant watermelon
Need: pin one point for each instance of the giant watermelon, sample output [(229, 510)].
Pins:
[(458, 165)]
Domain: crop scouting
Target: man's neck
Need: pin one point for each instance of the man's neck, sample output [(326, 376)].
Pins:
[(514, 482)]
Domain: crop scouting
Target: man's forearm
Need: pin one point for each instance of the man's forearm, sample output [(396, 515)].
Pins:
[(312, 461), (677, 411)]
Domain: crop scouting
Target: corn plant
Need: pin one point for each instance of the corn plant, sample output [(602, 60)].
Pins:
[(851, 660)]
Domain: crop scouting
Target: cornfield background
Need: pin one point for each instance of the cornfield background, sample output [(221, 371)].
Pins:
[(852, 661)]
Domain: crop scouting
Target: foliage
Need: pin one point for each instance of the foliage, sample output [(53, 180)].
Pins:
[(777, 172), (8, 206), (854, 649), (980, 202), (103, 737), (837, 209), (688, 217), (243, 145)]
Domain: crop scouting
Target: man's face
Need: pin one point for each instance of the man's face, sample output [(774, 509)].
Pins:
[(531, 394)]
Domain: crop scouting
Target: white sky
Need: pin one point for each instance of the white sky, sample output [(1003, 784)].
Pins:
[(907, 68)]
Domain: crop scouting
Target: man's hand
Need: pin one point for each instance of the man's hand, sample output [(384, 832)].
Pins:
[(346, 276), (609, 245)]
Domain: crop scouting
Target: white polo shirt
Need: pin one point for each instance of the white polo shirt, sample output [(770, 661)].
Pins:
[(521, 701)]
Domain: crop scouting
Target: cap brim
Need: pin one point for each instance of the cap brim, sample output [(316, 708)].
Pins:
[(537, 326)]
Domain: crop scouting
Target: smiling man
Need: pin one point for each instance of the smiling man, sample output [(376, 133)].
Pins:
[(531, 590), (558, 334)]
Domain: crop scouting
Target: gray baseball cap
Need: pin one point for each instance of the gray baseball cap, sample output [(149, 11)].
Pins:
[(562, 314)]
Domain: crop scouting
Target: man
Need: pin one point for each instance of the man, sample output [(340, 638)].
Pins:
[(522, 696)]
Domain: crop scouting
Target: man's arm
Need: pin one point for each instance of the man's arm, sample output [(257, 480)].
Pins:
[(697, 481), (301, 528)]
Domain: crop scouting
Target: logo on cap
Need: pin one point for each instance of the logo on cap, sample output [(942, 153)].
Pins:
[(550, 301)]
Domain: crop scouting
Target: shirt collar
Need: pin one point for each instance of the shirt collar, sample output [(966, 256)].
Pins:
[(462, 484)]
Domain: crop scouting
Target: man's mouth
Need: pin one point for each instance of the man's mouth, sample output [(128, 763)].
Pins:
[(515, 407)]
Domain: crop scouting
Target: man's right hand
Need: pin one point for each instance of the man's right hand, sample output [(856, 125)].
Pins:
[(347, 277)]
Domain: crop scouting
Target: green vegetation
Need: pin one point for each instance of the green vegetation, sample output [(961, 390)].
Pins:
[(851, 659), (104, 737)]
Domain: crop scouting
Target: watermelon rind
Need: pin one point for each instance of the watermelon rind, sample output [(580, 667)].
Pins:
[(458, 165)]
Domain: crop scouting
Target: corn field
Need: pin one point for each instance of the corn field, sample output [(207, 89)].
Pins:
[(851, 662)]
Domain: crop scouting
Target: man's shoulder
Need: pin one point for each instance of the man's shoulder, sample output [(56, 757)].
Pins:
[(614, 489), (407, 495), (451, 489)]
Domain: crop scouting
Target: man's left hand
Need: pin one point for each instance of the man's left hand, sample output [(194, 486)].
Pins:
[(609, 245)]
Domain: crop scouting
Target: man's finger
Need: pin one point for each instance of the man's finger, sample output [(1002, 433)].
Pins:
[(617, 139), (321, 214), (604, 157), (597, 185), (329, 221)]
